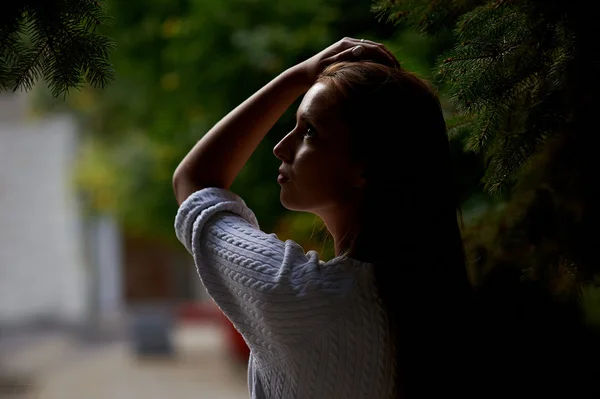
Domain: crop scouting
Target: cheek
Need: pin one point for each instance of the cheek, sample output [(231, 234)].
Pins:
[(312, 168), (319, 178)]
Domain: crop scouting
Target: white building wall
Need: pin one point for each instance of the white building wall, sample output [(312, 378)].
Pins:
[(42, 270)]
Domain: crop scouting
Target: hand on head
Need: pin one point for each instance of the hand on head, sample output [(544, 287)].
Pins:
[(346, 49)]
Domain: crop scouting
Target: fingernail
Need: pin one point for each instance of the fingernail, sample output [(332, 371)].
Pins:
[(358, 50)]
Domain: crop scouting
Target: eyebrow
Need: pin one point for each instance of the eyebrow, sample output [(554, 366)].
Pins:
[(306, 118)]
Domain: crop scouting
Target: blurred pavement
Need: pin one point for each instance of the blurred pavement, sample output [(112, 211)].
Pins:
[(58, 366)]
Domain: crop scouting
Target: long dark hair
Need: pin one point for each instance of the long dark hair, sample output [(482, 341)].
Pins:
[(408, 225)]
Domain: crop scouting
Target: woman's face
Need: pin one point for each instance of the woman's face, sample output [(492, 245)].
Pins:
[(319, 174)]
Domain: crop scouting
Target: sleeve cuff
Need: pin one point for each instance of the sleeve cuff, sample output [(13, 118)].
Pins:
[(205, 200)]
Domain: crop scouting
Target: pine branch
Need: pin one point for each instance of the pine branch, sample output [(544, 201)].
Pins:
[(508, 72), (458, 122), (428, 16), (28, 66), (483, 132), (55, 40)]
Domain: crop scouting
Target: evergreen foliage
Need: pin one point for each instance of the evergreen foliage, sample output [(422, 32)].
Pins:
[(523, 77), (54, 40)]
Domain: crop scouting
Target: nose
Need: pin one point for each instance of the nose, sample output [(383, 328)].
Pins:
[(283, 150)]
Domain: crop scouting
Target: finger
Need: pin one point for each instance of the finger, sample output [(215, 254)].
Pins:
[(345, 55), (392, 56), (377, 54), (382, 48), (362, 52)]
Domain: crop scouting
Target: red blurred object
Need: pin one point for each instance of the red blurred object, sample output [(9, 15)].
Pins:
[(193, 312), (200, 312)]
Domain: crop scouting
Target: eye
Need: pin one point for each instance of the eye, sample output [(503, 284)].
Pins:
[(310, 131)]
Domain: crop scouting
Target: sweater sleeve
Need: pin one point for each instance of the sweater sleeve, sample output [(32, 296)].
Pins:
[(272, 291)]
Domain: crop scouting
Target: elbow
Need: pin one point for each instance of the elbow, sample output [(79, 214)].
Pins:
[(177, 177), (180, 185), (184, 185), (175, 181)]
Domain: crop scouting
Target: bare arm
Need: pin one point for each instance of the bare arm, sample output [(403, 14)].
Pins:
[(220, 155)]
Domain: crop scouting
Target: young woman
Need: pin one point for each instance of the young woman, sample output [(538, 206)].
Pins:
[(369, 155)]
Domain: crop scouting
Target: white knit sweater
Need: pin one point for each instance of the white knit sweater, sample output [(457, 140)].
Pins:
[(315, 329)]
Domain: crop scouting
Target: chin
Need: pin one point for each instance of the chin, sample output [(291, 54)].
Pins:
[(290, 203), (287, 205)]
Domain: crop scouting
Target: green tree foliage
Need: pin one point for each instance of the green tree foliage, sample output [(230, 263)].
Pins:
[(54, 40), (523, 78)]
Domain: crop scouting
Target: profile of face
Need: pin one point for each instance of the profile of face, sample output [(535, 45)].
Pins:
[(318, 170)]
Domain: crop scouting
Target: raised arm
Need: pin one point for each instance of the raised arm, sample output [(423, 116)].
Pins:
[(220, 155)]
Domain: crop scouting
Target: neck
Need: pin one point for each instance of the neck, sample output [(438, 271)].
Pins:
[(341, 223)]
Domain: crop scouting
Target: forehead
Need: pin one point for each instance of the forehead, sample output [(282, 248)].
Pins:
[(321, 106), (319, 96)]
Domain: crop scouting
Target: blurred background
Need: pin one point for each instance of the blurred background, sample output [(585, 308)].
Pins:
[(97, 297)]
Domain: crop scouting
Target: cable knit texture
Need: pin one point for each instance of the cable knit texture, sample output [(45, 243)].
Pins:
[(315, 329)]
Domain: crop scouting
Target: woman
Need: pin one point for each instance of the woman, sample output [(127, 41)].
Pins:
[(369, 155)]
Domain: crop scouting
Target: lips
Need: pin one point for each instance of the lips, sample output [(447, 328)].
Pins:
[(285, 175)]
